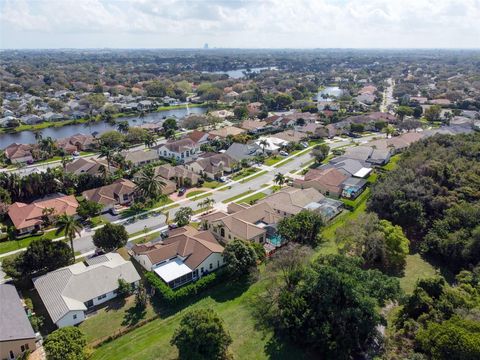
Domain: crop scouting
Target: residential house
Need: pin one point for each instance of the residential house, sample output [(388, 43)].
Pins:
[(181, 150), (91, 166), (77, 142), (222, 114), (253, 125), (380, 156), (242, 222), (397, 143), (152, 127), (31, 119), (199, 137), (29, 217), (179, 174), (273, 144), (231, 96), (313, 130), (328, 181), (291, 136), (16, 332), (290, 201), (120, 192), (361, 153), (226, 131), (70, 292), (168, 187), (185, 256), (140, 157), (241, 152), (212, 165), (254, 108), (19, 153), (353, 167)]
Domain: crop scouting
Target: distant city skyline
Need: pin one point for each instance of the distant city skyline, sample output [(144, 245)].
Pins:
[(250, 24)]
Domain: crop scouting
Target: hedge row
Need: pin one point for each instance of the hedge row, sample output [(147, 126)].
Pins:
[(166, 294)]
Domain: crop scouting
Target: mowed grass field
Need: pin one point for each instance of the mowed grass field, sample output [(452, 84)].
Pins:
[(233, 304)]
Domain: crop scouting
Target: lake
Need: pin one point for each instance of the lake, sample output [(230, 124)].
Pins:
[(28, 137), (238, 74), (331, 92)]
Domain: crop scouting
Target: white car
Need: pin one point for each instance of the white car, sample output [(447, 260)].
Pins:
[(283, 153)]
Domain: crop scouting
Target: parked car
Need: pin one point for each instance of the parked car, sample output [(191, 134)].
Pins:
[(172, 226), (223, 179), (181, 191), (304, 144), (283, 153), (164, 234)]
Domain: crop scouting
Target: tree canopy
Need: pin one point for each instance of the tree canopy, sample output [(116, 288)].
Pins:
[(435, 197), (201, 336), (332, 307), (67, 343), (110, 237), (240, 258), (303, 227), (183, 216)]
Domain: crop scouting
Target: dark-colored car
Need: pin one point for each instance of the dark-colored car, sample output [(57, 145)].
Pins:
[(181, 191)]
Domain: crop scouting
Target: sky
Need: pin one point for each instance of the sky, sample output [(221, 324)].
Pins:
[(239, 23)]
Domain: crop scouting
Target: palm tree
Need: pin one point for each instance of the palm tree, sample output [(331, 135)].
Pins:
[(107, 153), (38, 136), (149, 141), (279, 179), (48, 145), (103, 171), (71, 226), (206, 204), (148, 184), (123, 126), (263, 143)]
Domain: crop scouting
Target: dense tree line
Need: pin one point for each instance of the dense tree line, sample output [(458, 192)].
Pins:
[(438, 320), (434, 195)]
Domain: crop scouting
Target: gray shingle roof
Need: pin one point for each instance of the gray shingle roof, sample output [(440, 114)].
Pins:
[(14, 324), (68, 288)]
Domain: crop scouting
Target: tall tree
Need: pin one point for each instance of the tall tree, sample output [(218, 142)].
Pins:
[(71, 227), (279, 179), (65, 343), (240, 258), (110, 237), (303, 228), (201, 336), (148, 184)]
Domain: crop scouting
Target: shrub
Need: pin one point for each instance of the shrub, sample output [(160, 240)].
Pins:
[(166, 294)]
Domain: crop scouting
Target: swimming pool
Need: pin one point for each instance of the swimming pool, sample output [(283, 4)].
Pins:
[(275, 240)]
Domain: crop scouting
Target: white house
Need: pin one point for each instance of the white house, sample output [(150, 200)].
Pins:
[(185, 256), (69, 292), (181, 150)]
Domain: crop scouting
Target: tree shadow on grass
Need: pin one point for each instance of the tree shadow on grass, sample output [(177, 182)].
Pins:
[(134, 315), (280, 349), (223, 291)]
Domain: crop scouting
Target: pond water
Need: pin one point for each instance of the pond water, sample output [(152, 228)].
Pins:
[(239, 73), (28, 137), (330, 93)]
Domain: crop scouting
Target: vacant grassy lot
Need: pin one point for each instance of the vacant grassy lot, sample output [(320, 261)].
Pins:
[(231, 302), (117, 315), (416, 269)]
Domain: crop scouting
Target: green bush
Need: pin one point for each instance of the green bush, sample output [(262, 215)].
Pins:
[(166, 294)]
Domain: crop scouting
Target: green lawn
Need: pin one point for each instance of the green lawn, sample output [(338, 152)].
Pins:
[(233, 198), (231, 302), (118, 314), (211, 184), (196, 192), (254, 197), (272, 160), (392, 164), (7, 246), (416, 269), (244, 173), (253, 176), (146, 238)]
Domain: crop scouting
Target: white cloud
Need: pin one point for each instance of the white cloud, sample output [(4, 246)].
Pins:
[(240, 23)]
